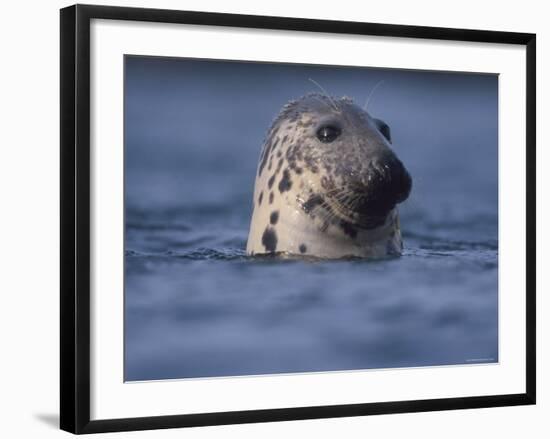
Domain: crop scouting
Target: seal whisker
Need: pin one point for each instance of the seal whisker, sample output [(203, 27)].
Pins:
[(379, 83), (325, 93), (322, 102)]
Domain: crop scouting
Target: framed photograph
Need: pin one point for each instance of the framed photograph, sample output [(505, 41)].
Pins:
[(268, 218)]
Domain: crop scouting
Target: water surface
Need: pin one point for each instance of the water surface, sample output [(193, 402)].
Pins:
[(197, 306)]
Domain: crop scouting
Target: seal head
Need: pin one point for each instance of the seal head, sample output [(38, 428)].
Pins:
[(328, 183)]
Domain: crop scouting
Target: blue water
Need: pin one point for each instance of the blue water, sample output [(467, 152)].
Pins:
[(197, 306)]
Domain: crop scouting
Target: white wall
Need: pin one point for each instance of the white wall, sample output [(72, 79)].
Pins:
[(29, 217)]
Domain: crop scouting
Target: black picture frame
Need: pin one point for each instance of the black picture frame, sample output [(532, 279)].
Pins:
[(75, 217)]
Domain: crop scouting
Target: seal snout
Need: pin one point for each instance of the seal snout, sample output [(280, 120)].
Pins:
[(386, 183)]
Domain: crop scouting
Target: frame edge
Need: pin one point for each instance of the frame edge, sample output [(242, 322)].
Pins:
[(303, 24), (303, 413), (67, 419), (75, 219), (531, 218)]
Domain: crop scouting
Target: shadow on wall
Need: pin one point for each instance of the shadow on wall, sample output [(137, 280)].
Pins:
[(49, 419)]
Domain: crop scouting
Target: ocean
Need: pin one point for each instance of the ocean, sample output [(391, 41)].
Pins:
[(197, 306)]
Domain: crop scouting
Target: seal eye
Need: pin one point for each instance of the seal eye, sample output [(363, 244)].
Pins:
[(328, 133)]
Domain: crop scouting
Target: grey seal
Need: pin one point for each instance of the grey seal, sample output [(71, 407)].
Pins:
[(328, 183)]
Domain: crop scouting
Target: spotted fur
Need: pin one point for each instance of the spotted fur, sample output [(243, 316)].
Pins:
[(269, 240)]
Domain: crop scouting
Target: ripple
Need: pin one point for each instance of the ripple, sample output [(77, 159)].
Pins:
[(224, 254)]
